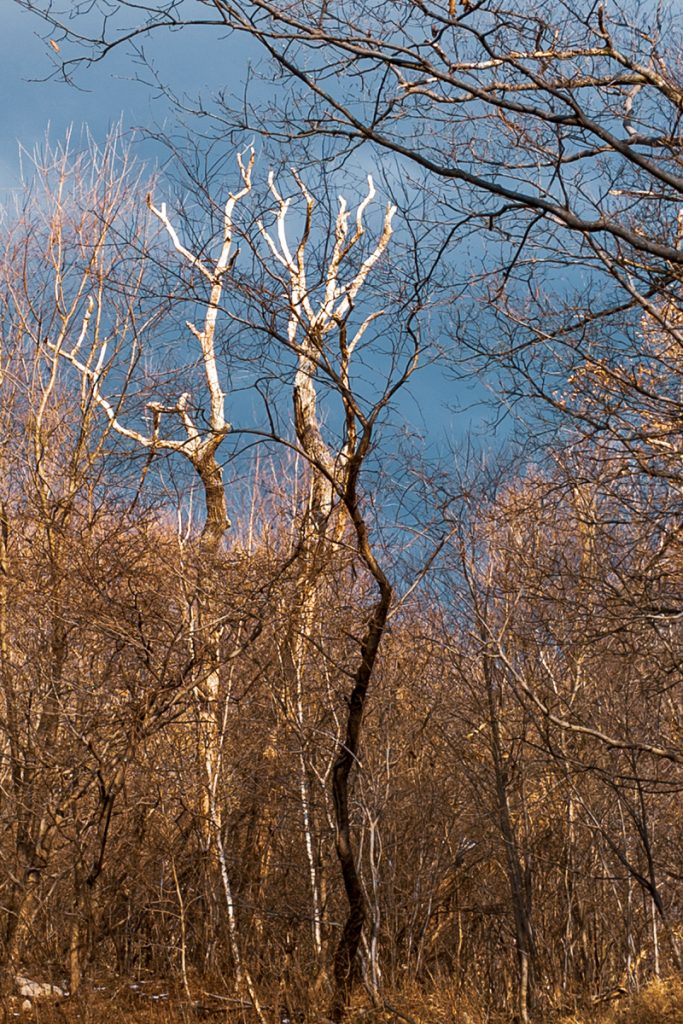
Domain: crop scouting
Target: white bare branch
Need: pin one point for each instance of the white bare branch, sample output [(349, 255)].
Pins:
[(315, 323), (311, 320), (351, 291), (194, 261), (362, 329), (225, 260), (92, 377)]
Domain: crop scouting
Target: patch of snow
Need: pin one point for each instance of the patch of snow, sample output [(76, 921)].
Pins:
[(37, 989)]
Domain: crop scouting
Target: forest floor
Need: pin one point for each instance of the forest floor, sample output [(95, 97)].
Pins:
[(661, 1002)]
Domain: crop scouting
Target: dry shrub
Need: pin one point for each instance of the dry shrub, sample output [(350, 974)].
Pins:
[(660, 1002)]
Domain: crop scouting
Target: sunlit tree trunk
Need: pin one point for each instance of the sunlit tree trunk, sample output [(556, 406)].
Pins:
[(313, 329)]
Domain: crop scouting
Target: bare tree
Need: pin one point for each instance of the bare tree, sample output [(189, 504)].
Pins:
[(324, 341), (60, 247), (323, 331)]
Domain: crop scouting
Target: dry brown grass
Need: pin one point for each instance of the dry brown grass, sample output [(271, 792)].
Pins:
[(661, 1002)]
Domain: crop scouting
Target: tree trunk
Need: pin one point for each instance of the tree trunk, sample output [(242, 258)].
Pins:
[(345, 959), (519, 879)]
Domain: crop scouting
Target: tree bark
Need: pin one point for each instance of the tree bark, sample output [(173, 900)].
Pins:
[(345, 960)]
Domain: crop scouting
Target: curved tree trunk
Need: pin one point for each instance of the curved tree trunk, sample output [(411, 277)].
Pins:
[(345, 959)]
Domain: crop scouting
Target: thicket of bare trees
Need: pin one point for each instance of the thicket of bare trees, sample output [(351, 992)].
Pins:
[(276, 718), (262, 755)]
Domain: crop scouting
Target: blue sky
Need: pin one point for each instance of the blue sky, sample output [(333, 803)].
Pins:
[(31, 105), (195, 63)]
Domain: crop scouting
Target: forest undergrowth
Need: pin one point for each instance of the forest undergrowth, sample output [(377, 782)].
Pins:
[(160, 1001), (293, 715)]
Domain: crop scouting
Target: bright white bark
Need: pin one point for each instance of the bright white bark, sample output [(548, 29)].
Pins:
[(313, 326)]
